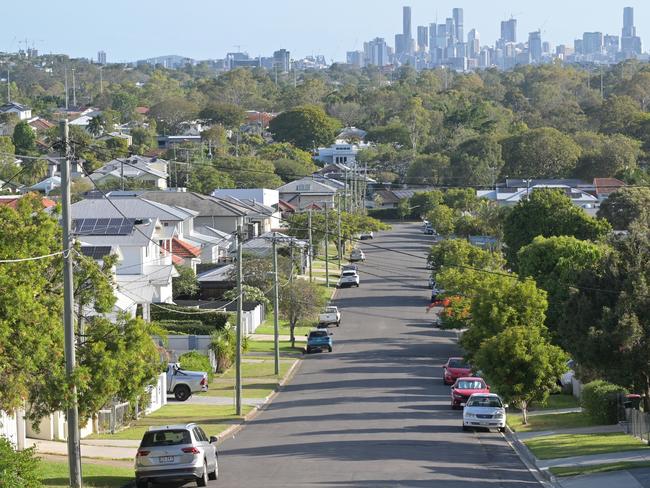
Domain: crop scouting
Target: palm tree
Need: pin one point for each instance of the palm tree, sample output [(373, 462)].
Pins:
[(96, 126)]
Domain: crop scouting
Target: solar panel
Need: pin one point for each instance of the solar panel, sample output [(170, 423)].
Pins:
[(96, 252), (103, 227)]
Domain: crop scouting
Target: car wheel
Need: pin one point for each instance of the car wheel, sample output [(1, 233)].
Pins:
[(502, 430), (454, 407), (182, 393), (203, 480), (338, 324), (215, 474), (329, 349), (140, 483), (465, 428), (308, 350)]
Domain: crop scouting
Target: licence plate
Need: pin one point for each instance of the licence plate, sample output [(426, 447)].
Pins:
[(462, 404), (166, 459)]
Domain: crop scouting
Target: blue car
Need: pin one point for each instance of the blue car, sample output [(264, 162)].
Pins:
[(319, 340)]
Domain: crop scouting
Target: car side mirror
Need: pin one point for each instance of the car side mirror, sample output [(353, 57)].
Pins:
[(505, 405), (214, 439), (488, 387), (331, 333), (306, 335)]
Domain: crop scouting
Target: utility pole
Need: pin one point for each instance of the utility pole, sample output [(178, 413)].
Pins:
[(74, 90), (72, 414), (327, 239), (293, 268), (338, 233), (276, 300), (311, 250), (345, 195), (101, 80), (8, 85), (67, 95), (122, 173), (240, 299)]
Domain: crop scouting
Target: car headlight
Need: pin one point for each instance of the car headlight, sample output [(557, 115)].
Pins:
[(499, 415), (469, 415)]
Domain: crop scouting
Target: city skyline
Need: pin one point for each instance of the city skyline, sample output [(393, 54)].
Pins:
[(290, 25)]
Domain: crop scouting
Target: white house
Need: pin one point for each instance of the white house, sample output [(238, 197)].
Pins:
[(23, 112), (510, 196), (308, 192), (341, 152), (149, 172)]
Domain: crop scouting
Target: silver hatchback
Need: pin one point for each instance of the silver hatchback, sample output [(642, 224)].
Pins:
[(176, 452)]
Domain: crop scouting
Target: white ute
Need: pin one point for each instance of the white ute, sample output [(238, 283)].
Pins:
[(330, 316)]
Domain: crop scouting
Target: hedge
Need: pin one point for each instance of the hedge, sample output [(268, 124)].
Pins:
[(215, 319), (195, 361), (190, 327), (600, 400), (384, 213)]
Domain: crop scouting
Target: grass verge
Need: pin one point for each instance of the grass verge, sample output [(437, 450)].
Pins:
[(55, 475), (598, 468), (569, 445), (268, 346), (214, 419), (267, 328), (556, 402), (550, 422)]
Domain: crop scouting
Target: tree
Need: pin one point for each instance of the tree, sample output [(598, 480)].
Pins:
[(205, 179), (442, 219), (306, 127), (185, 284), (285, 150), (403, 208), (540, 153), (350, 113), (619, 114), (249, 172), (415, 120), (476, 161), (427, 169), (394, 132), (463, 199), (96, 126), (228, 115), (424, 202), (217, 139), (548, 213), (24, 138), (290, 169), (144, 138), (251, 295), (556, 263), (521, 365), (171, 113), (604, 156), (300, 301), (458, 253), (626, 206)]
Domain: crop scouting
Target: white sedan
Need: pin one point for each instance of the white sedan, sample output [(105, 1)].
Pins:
[(485, 410)]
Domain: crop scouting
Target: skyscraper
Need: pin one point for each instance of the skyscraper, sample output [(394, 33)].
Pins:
[(473, 44), (376, 52), (459, 33), (630, 42), (282, 61), (535, 46), (101, 57), (509, 30), (406, 30), (592, 43), (423, 38), (628, 22)]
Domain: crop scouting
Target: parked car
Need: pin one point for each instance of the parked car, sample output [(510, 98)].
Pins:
[(353, 267), (330, 316), (349, 277), (425, 224), (357, 255), (436, 293), (176, 452), (464, 388), (485, 410), (455, 368), (430, 231), (182, 383), (432, 283), (364, 236), (318, 340)]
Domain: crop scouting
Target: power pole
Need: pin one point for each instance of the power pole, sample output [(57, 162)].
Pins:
[(311, 250), (276, 300), (338, 233), (67, 95), (327, 239), (240, 299), (122, 173), (101, 80), (8, 86), (74, 90), (72, 414)]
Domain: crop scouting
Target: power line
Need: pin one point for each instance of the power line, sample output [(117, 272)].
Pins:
[(36, 258)]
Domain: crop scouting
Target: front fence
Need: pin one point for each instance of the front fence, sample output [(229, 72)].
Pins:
[(110, 420), (638, 424)]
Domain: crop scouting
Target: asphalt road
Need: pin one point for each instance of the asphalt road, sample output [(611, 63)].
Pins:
[(374, 412)]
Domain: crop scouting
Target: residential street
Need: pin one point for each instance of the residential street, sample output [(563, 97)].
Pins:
[(374, 412)]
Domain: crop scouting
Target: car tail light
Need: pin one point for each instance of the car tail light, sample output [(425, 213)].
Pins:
[(191, 450), (143, 453), (204, 381)]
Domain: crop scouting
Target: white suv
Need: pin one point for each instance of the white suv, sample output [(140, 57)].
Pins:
[(349, 277)]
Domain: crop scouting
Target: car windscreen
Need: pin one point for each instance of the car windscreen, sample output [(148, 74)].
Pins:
[(490, 402), (166, 438), (330, 310), (458, 363), (318, 333), (470, 385)]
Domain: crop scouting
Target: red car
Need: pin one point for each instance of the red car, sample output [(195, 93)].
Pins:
[(453, 369), (464, 388)]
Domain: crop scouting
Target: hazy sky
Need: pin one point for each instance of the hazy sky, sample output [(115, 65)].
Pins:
[(135, 29)]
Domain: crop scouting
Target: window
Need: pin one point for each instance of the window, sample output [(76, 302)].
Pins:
[(481, 401), (470, 385), (303, 187), (200, 436), (166, 438), (458, 363)]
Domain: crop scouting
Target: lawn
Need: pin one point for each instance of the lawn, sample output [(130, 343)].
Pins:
[(55, 475), (550, 422), (258, 378), (267, 328), (569, 445), (557, 402), (598, 468), (268, 346), (213, 418)]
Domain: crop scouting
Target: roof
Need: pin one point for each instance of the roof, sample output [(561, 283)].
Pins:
[(306, 186), (184, 249), (204, 205), (39, 124), (13, 106), (222, 273), (131, 207), (47, 185), (142, 110), (141, 235), (96, 252), (133, 167), (12, 201), (286, 206), (172, 427), (388, 196), (605, 186)]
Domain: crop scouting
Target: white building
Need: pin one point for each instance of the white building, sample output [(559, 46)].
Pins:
[(308, 193), (264, 196), (340, 152), (24, 113), (510, 196)]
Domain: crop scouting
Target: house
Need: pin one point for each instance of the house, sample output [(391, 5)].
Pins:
[(220, 214), (386, 198), (40, 125), (12, 201), (306, 191), (118, 135), (83, 118), (165, 142), (215, 282), (263, 246), (23, 112), (46, 186), (146, 172), (340, 152), (510, 196), (264, 196), (604, 187), (144, 270)]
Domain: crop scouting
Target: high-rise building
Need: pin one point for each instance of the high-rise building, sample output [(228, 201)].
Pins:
[(612, 45), (433, 33), (630, 42), (578, 46), (355, 58), (406, 30), (282, 61), (423, 38), (535, 46), (376, 52), (451, 30), (592, 43), (473, 44), (509, 30), (101, 58), (459, 32)]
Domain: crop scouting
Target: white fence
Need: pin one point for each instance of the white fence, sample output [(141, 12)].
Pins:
[(13, 428)]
